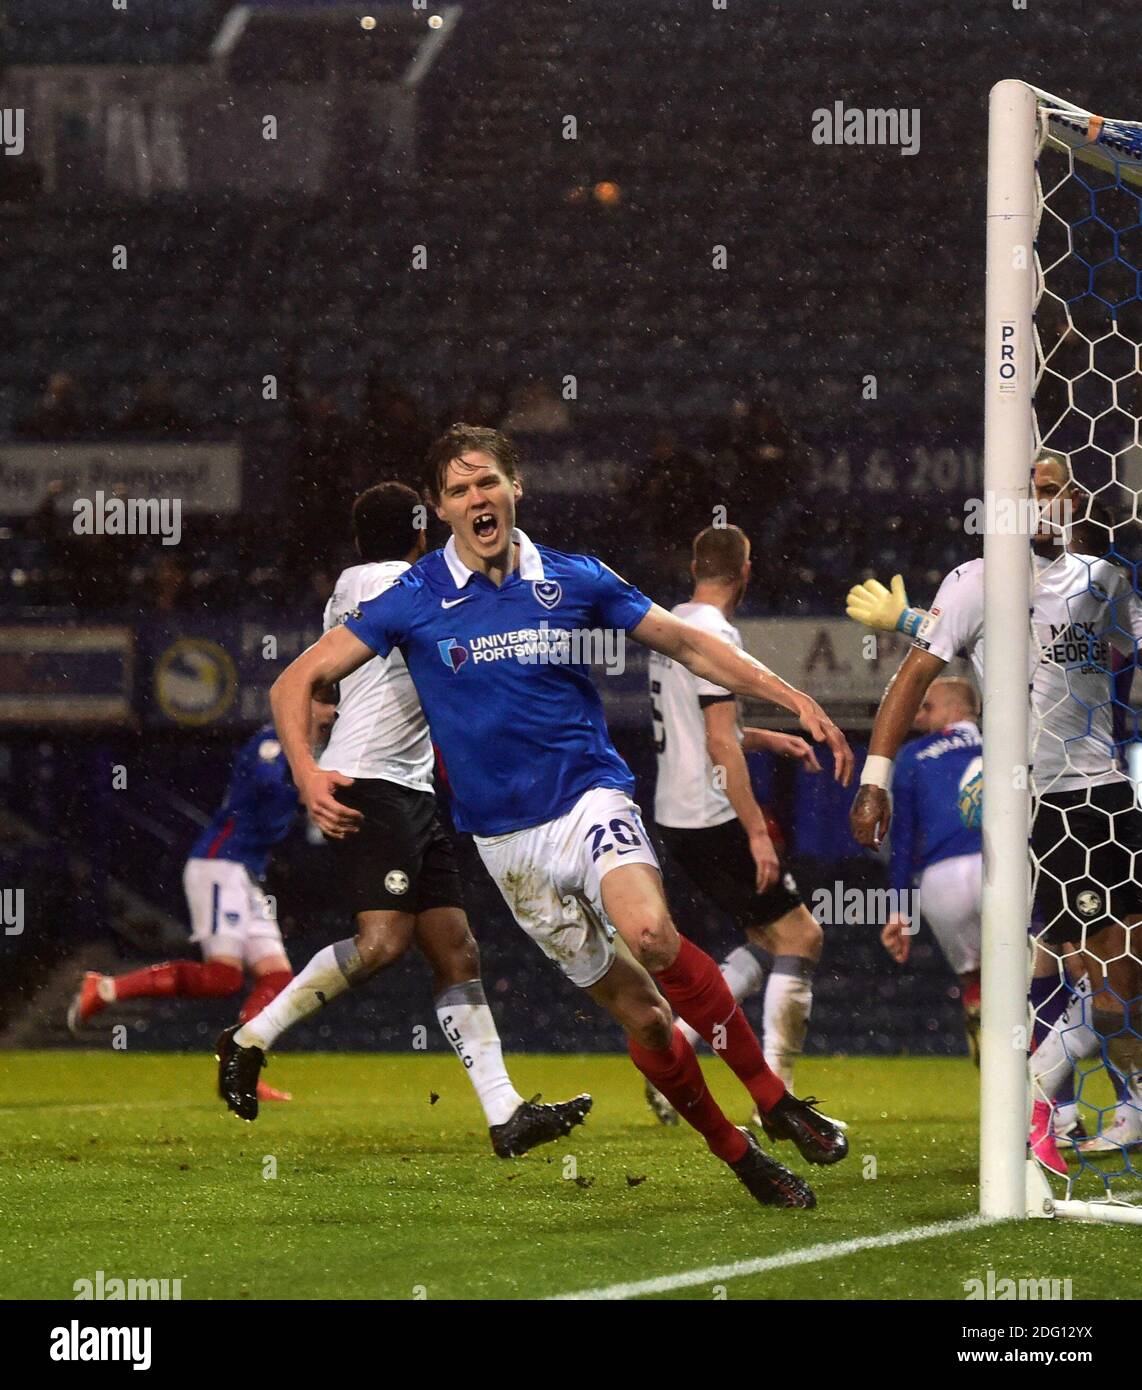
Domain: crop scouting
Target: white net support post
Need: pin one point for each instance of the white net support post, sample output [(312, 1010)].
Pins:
[(1008, 445), (1061, 1136)]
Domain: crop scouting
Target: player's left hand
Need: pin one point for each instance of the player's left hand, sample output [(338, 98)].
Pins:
[(765, 859), (790, 746), (821, 729), (870, 816), (319, 796)]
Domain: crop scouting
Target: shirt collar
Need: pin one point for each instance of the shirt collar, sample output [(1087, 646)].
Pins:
[(530, 564)]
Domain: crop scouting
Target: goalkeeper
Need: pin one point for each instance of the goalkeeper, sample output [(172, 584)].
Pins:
[(1080, 604)]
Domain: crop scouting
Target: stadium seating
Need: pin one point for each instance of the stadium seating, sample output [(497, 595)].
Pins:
[(145, 31), (530, 274)]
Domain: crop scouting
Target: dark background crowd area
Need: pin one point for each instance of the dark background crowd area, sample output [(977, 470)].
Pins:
[(747, 461), (548, 259), (298, 328)]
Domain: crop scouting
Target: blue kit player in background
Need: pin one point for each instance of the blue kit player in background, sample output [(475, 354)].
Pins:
[(233, 922), (492, 629), (931, 844)]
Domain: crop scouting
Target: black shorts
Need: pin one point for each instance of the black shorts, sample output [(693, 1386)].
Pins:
[(717, 860), (401, 859), (1073, 896)]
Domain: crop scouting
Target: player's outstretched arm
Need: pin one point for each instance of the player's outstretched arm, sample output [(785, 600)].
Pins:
[(719, 661), (328, 661), (871, 812)]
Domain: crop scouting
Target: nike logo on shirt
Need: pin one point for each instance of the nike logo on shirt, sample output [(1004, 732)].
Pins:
[(452, 602)]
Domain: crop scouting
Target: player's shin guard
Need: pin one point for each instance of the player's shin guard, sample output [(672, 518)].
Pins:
[(467, 1023), (676, 1073), (788, 1001), (266, 987), (699, 994), (187, 979), (329, 973)]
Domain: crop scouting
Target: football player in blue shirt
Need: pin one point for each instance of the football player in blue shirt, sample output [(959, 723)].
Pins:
[(931, 844), (233, 921), (492, 629)]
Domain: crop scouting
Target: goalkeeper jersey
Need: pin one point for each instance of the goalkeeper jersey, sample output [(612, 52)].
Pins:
[(1081, 606)]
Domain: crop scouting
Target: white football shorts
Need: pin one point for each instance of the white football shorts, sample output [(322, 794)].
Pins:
[(551, 877), (951, 898), (229, 913)]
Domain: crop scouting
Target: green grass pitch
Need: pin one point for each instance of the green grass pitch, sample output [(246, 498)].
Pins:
[(126, 1163)]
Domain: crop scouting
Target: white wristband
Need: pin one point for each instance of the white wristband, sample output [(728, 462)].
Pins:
[(877, 772)]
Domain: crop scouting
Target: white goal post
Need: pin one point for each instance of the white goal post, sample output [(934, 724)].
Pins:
[(1025, 125)]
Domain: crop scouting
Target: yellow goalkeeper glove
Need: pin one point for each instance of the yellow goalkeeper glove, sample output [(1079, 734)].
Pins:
[(875, 606)]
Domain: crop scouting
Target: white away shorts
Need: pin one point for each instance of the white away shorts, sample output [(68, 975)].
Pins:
[(551, 877), (951, 894), (229, 913)]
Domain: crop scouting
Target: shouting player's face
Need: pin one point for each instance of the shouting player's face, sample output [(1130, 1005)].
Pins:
[(477, 500)]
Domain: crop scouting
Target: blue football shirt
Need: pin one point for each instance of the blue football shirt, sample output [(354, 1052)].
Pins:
[(523, 737), (926, 825), (260, 806)]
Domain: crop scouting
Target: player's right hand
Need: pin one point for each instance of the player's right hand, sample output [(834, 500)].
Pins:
[(896, 938), (332, 817), (765, 859), (875, 606), (870, 816)]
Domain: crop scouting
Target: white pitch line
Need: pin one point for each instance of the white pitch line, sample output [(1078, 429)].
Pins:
[(79, 1108), (811, 1254)]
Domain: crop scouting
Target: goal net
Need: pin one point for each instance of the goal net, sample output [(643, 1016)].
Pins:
[(1064, 404)]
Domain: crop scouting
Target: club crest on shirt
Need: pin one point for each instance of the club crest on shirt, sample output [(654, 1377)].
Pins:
[(452, 653), (547, 592)]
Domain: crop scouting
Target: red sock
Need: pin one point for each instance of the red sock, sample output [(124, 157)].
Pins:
[(266, 987), (185, 978), (698, 992), (678, 1076)]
